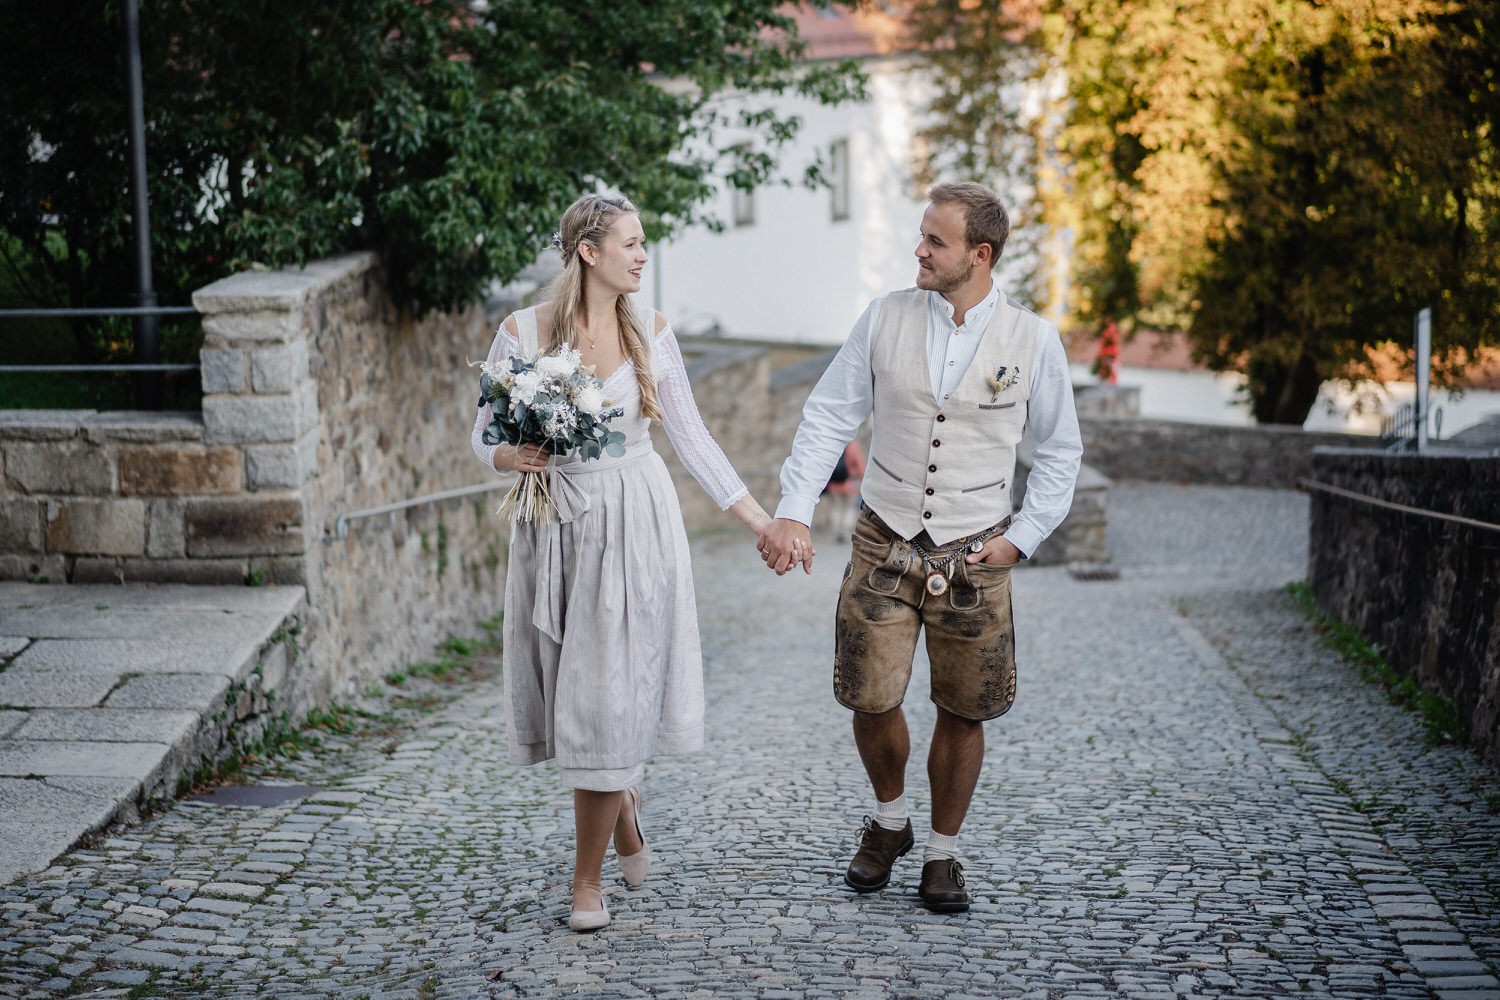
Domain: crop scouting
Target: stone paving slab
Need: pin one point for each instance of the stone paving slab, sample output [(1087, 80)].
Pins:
[(227, 655), (1192, 798), (192, 691), (10, 645), (38, 814), (134, 622), (131, 725), (54, 689), (166, 597), (10, 721), (80, 758)]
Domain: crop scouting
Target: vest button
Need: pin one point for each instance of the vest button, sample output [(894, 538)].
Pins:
[(926, 515), (930, 491), (932, 468), (936, 443), (941, 418)]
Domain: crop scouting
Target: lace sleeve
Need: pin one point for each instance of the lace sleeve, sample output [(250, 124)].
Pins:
[(504, 346), (695, 446)]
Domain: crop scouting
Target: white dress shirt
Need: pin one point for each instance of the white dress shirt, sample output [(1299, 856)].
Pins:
[(845, 395)]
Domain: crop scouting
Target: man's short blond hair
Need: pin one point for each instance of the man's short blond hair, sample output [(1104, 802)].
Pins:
[(985, 219)]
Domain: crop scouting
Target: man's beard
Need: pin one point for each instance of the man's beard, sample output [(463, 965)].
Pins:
[(942, 282)]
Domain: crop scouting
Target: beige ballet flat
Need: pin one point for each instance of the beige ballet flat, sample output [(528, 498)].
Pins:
[(590, 920), (635, 866)]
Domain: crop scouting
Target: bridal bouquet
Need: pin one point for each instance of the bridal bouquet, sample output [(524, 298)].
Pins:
[(550, 399)]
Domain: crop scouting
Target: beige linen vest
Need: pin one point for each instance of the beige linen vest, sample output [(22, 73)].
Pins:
[(946, 466)]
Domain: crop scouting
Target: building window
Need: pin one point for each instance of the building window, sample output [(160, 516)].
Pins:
[(838, 178), (742, 206)]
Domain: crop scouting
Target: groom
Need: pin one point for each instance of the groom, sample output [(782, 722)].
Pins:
[(954, 372)]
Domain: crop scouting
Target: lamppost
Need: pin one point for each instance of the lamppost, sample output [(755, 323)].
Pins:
[(148, 385)]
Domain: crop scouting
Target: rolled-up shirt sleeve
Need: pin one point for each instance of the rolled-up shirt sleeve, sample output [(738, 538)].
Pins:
[(1052, 422), (831, 417)]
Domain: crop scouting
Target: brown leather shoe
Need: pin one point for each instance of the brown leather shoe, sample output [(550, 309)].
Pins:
[(878, 850), (942, 887)]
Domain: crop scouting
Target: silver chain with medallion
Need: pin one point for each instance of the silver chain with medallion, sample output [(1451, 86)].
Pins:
[(941, 571)]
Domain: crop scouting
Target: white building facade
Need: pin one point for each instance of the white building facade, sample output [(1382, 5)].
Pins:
[(798, 264)]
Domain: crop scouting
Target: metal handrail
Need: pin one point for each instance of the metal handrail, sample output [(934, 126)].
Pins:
[(101, 311), (91, 311), (1339, 491), (341, 523), (98, 368)]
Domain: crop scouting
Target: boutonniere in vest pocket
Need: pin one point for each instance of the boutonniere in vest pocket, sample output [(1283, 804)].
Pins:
[(1005, 376)]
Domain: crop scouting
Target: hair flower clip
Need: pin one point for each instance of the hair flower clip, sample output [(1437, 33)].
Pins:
[(1005, 376), (557, 243)]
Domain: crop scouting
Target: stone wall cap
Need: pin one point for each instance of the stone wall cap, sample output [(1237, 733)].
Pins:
[(282, 289), (803, 371), (43, 418), (144, 426), (41, 425), (1437, 450), (1354, 442)]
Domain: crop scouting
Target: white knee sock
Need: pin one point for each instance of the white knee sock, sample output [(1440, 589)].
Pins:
[(940, 847), (891, 815)]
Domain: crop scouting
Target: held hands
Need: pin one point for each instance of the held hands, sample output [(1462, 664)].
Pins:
[(784, 544), (998, 551), (522, 458)]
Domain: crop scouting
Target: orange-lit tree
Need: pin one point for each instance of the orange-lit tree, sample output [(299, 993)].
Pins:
[(1287, 181)]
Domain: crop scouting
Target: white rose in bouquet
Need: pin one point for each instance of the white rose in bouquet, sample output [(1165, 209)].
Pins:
[(526, 386), (589, 399), (560, 365)]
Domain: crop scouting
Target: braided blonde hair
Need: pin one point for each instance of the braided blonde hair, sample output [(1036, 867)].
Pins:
[(588, 220)]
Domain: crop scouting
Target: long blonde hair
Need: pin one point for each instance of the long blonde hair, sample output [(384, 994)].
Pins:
[(588, 220)]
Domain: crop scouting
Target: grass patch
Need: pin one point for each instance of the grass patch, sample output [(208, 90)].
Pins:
[(459, 659), (1438, 712), (345, 720), (280, 739)]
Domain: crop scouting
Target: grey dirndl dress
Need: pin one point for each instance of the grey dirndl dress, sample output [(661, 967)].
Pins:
[(601, 659)]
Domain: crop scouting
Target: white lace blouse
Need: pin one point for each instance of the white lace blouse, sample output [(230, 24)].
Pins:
[(699, 452)]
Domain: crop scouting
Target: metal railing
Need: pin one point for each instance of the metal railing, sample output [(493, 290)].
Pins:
[(1339, 491), (149, 369), (1398, 431), (341, 523), (145, 366)]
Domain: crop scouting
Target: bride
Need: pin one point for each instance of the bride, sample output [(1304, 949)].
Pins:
[(601, 652)]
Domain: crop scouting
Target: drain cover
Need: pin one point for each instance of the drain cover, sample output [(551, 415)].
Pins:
[(1093, 571), (258, 796)]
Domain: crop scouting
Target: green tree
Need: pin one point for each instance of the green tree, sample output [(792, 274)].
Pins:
[(446, 134), (1287, 181), (981, 56)]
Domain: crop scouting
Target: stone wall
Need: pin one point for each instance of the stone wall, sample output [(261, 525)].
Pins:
[(1175, 451), (1426, 590), (105, 497), (320, 398), (342, 403)]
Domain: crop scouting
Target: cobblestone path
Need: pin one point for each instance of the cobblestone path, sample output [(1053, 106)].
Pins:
[(1192, 798)]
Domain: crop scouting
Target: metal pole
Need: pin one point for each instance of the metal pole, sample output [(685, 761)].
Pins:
[(149, 388), (1424, 360)]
